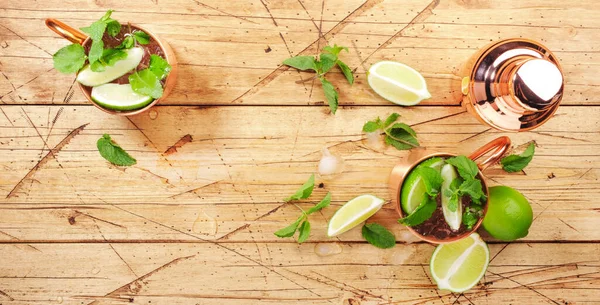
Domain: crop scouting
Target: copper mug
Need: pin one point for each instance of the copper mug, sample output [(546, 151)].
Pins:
[(495, 149), (513, 85), (76, 36)]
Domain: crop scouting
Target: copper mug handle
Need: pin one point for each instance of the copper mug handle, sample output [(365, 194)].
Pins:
[(70, 33), (499, 146)]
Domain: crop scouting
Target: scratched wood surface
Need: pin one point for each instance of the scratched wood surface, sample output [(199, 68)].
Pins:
[(192, 222)]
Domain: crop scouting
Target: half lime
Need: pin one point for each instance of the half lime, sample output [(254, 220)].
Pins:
[(119, 97)]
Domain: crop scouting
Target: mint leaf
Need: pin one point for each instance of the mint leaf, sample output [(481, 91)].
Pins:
[(378, 236), (111, 56), (304, 232), (471, 215), (346, 70), (431, 178), (391, 119), (321, 205), (113, 153), (106, 16), (453, 202), (145, 82), (371, 126), (516, 163), (69, 59), (159, 66), (96, 30), (401, 136), (141, 37), (327, 62), (304, 191), (113, 27), (97, 66), (302, 63), (289, 230), (335, 50), (421, 213), (474, 189), (467, 169), (330, 94), (96, 51), (127, 42)]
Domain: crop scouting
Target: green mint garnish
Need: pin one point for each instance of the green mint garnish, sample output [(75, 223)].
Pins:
[(159, 66), (113, 153), (398, 135), (96, 32), (471, 216), (468, 185), (145, 82), (423, 212), (141, 37), (327, 60), (69, 59), (304, 191), (378, 236), (516, 163), (302, 224), (432, 180)]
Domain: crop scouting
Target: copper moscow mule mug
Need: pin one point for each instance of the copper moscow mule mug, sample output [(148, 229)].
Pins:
[(513, 85), (76, 36), (495, 149)]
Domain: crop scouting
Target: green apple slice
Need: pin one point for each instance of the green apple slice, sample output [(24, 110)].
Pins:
[(87, 77), (453, 218), (119, 97)]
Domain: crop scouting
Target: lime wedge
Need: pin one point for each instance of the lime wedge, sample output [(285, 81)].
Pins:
[(398, 83), (87, 77), (454, 219), (119, 97), (413, 188), (459, 265), (353, 213)]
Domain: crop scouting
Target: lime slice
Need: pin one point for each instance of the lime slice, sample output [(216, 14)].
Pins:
[(87, 77), (353, 213), (398, 83), (119, 97), (454, 219), (458, 266), (413, 188)]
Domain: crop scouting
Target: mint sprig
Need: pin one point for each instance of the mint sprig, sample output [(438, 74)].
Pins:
[(423, 212), (96, 31), (378, 236), (399, 135), (516, 163), (467, 184), (302, 224), (147, 81), (471, 215), (69, 59), (113, 153), (327, 60)]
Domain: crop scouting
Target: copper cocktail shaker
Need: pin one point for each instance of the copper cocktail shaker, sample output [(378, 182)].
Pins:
[(514, 85)]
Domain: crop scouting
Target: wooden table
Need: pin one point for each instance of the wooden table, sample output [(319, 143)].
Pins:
[(194, 225)]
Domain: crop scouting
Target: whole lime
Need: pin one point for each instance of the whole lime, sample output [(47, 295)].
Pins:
[(509, 214)]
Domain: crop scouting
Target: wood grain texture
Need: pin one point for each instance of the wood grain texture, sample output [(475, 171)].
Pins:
[(192, 222)]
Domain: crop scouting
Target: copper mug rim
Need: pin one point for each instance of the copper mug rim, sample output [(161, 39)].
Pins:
[(76, 36), (497, 148)]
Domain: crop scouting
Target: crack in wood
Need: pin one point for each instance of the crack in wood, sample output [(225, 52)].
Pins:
[(525, 286), (334, 30), (420, 17), (221, 11), (50, 155), (173, 149)]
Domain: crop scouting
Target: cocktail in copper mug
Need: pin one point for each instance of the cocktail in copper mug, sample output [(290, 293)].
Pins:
[(76, 36), (485, 156)]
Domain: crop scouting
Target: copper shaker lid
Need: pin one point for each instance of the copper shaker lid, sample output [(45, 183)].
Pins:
[(515, 85)]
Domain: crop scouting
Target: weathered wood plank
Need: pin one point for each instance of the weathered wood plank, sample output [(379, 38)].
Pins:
[(237, 69), (275, 273), (236, 170)]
